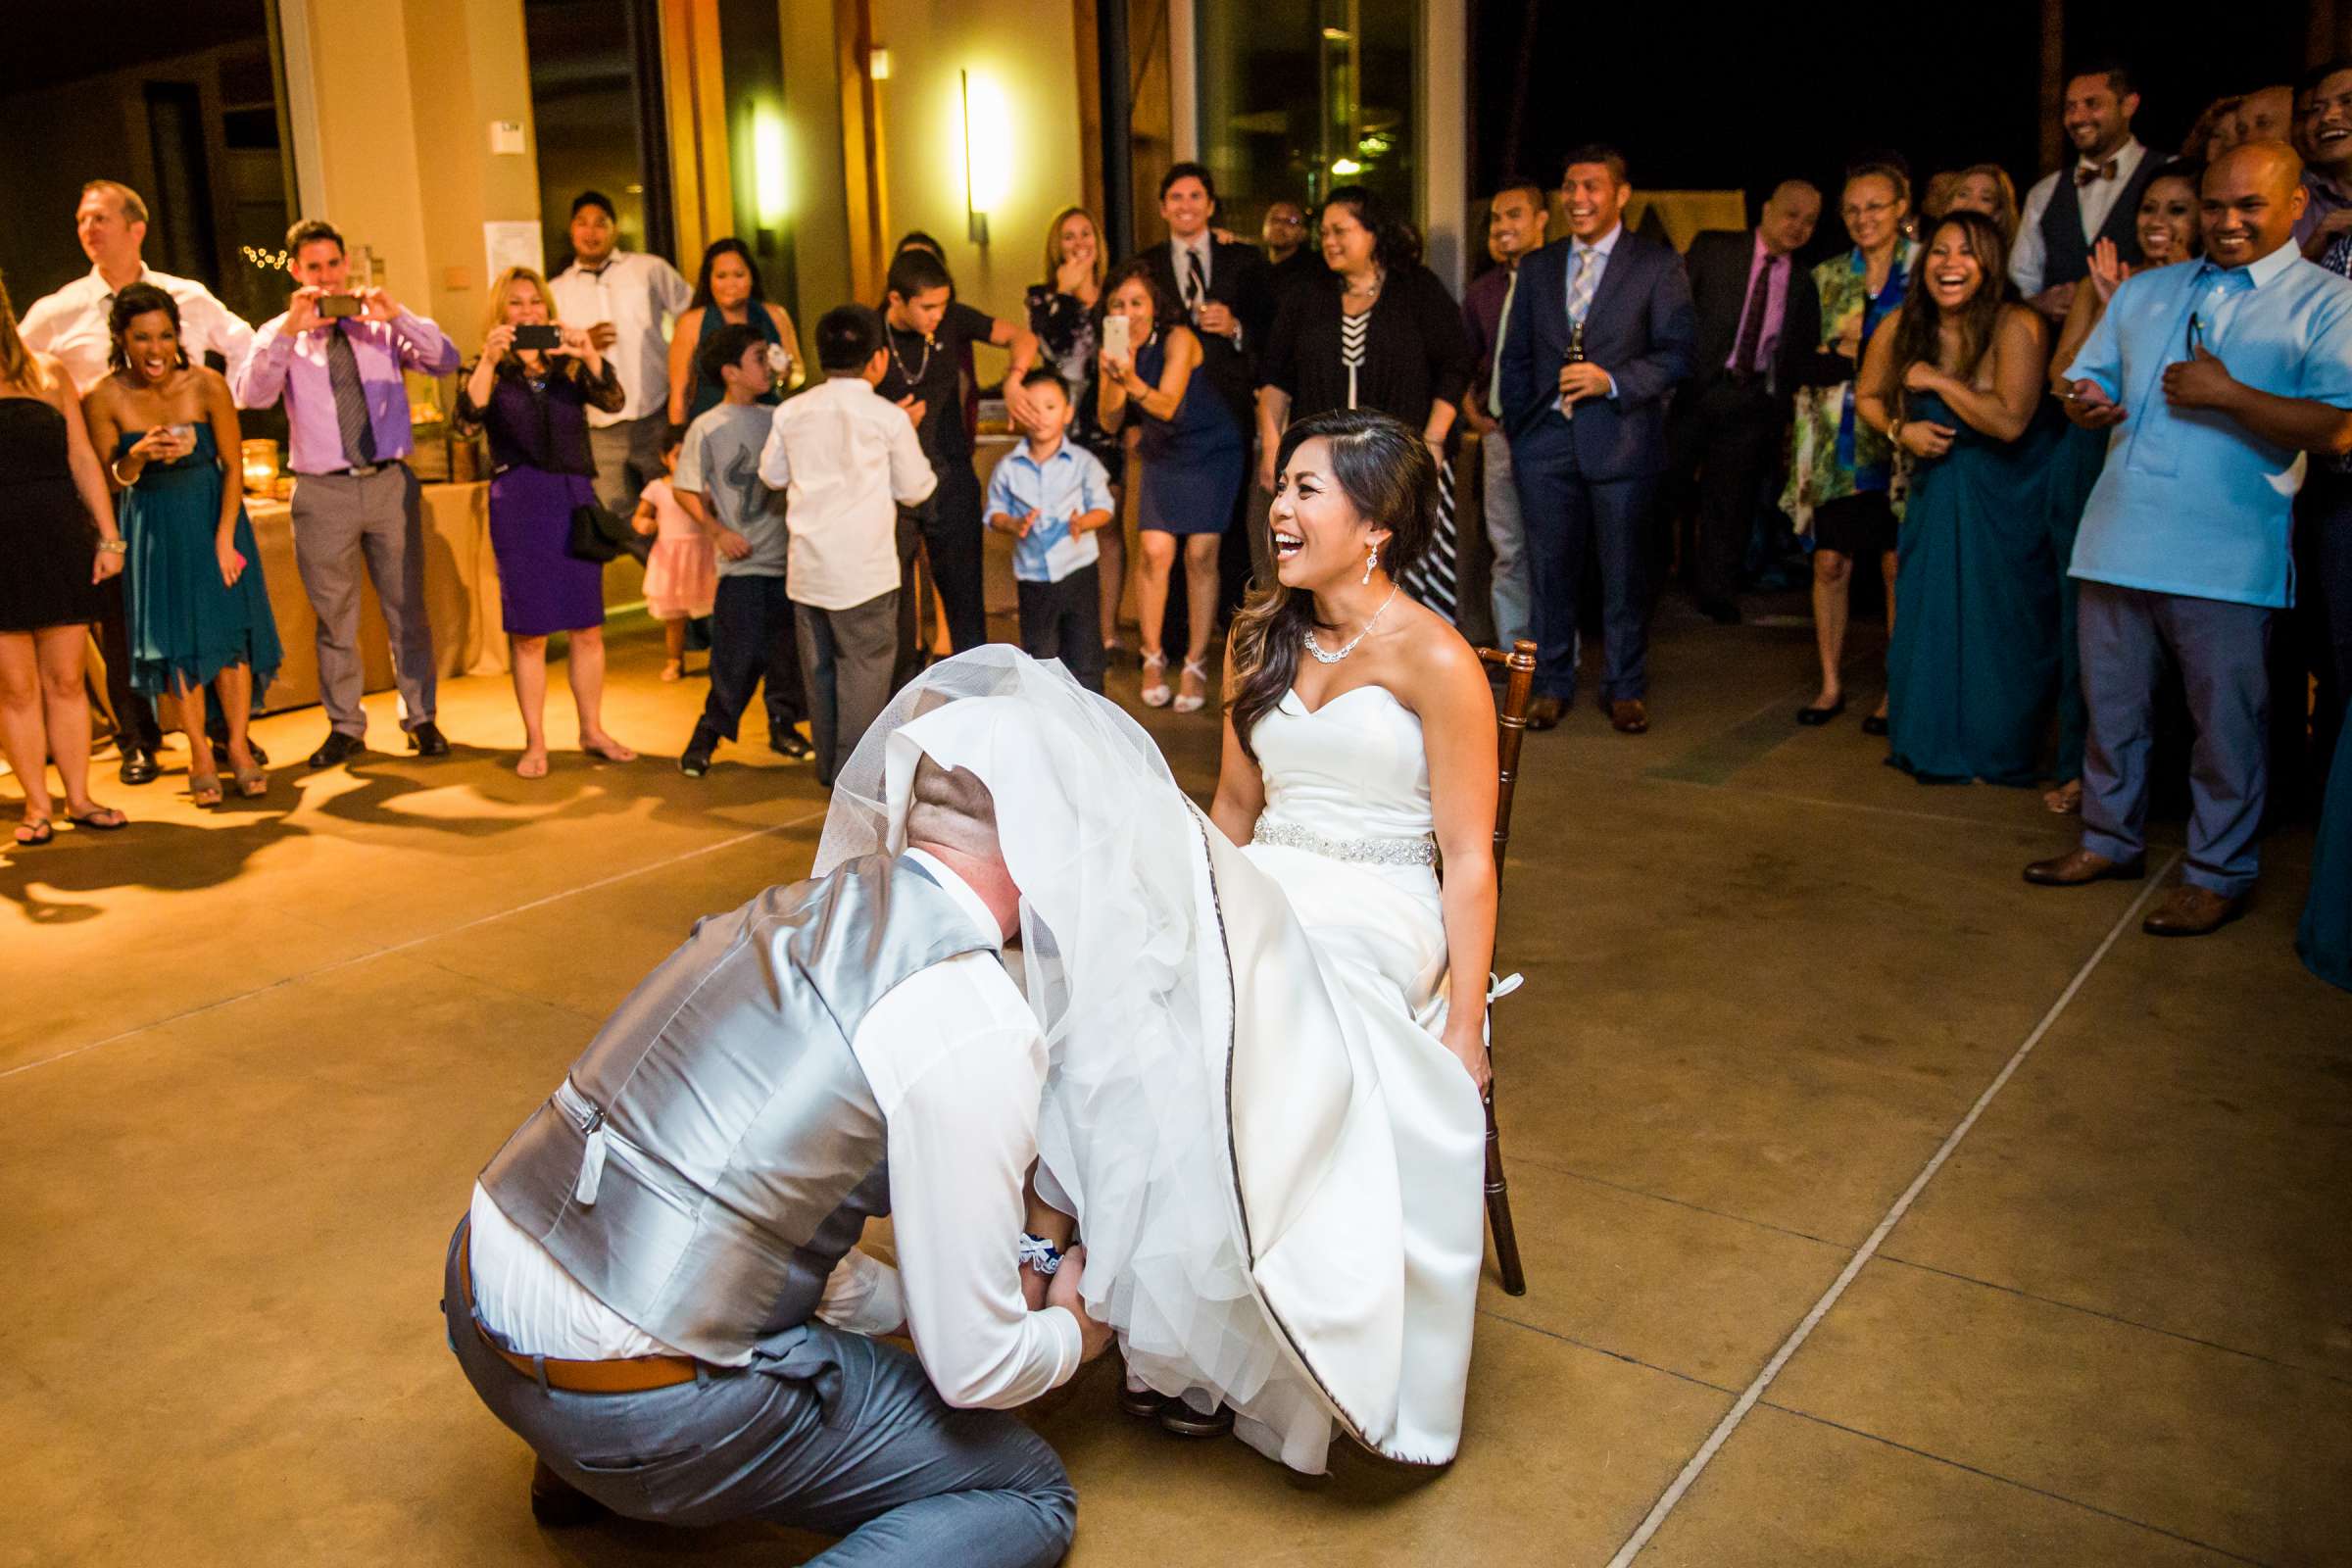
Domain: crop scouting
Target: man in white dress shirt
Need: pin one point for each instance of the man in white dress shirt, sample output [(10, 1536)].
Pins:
[(658, 1286), (2096, 197), (72, 324), (624, 298)]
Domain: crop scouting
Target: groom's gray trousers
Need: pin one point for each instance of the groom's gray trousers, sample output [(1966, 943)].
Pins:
[(835, 1433)]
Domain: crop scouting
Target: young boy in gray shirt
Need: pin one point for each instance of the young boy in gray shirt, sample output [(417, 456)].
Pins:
[(717, 482)]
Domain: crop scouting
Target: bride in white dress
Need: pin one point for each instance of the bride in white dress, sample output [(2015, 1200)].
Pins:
[(1268, 1022)]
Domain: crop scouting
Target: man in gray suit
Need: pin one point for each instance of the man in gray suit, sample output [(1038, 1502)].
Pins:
[(658, 1286)]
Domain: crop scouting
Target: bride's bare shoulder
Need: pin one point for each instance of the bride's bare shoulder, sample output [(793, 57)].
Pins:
[(1432, 661)]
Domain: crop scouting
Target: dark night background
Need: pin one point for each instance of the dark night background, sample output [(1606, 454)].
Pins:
[(1710, 97)]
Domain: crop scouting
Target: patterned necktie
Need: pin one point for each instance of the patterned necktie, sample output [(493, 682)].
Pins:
[(1582, 285), (1751, 320), (351, 400), (1195, 280), (1502, 324)]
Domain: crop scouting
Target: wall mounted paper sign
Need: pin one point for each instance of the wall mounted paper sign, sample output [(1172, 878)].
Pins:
[(513, 243)]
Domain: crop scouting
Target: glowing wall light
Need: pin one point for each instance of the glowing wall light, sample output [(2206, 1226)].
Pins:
[(769, 166), (987, 153)]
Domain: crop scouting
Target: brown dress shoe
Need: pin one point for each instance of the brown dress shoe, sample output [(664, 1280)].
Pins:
[(1630, 716), (2189, 910), (1544, 713), (2077, 868), (556, 1503)]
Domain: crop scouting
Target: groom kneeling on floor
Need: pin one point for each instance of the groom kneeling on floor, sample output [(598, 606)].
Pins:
[(658, 1286)]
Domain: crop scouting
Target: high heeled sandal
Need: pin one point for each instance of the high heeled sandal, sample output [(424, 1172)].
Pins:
[(203, 788), (1189, 702), (1156, 693), (252, 782)]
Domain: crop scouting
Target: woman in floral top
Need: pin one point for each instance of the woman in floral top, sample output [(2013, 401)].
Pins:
[(1841, 472), (1064, 312)]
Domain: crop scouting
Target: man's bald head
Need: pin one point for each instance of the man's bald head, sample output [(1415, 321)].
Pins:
[(2253, 194), (1789, 214)]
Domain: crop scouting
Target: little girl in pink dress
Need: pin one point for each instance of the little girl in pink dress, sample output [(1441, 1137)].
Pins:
[(681, 574)]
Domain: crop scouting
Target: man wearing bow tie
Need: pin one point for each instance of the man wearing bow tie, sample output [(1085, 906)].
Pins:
[(2070, 210)]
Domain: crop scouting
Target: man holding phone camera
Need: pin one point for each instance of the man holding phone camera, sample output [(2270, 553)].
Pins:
[(336, 356)]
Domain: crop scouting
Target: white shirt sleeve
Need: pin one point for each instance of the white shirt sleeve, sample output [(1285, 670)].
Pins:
[(671, 292), (39, 324), (862, 1297), (216, 327), (2025, 258), (775, 463), (962, 1135)]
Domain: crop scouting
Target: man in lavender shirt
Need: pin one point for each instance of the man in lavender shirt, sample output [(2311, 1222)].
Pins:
[(355, 498)]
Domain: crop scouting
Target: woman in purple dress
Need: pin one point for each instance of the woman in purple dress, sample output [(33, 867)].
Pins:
[(534, 404)]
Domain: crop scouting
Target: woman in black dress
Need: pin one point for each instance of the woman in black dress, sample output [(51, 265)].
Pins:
[(57, 527), (1062, 316), (1378, 332)]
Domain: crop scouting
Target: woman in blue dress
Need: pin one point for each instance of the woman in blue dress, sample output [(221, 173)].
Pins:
[(1952, 381), (199, 610), (728, 293), (1191, 457), (2324, 940)]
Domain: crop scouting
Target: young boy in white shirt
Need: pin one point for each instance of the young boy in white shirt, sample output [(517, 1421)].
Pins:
[(1052, 494), (846, 460)]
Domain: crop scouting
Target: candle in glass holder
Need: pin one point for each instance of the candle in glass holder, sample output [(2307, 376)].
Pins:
[(259, 460)]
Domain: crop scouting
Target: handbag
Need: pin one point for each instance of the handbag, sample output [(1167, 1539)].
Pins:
[(597, 535)]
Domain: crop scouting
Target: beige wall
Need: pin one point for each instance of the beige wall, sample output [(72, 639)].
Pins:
[(1026, 49), (817, 186)]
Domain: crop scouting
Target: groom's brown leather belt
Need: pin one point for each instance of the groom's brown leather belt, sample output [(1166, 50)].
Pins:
[(635, 1375)]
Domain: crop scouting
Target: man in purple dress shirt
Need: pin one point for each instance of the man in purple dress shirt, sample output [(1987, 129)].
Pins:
[(337, 357), (1759, 324)]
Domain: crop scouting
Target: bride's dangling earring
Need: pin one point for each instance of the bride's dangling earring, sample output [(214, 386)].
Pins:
[(1371, 559)]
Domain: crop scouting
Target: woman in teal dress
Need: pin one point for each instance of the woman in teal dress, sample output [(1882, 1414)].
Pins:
[(1953, 379), (728, 293), (199, 610), (2324, 940)]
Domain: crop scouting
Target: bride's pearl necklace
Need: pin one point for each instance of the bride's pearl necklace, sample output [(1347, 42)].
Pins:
[(1348, 647)]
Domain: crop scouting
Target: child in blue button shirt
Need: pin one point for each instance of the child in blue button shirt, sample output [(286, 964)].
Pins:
[(1050, 495)]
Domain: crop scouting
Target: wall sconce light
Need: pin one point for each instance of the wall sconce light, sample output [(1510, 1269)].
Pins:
[(987, 154), (769, 166), (877, 63)]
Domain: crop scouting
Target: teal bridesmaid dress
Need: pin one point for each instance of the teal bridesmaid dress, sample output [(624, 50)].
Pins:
[(1974, 665), (185, 623), (2324, 940), (2077, 459)]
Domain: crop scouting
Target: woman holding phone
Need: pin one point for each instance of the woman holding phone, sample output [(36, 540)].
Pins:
[(531, 390), (199, 610)]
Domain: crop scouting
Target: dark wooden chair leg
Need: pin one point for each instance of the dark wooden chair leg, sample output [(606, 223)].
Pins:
[(1498, 1213)]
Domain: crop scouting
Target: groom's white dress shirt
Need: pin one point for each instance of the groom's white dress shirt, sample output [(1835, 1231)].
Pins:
[(957, 1064)]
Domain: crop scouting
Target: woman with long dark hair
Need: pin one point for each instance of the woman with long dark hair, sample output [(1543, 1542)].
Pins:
[(1379, 331), (1952, 381), (199, 611), (1189, 462), (727, 291)]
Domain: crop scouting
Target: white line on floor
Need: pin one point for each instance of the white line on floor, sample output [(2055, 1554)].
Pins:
[(1869, 1248), (373, 953)]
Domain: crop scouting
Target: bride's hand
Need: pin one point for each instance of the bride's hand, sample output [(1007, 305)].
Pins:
[(1470, 1049)]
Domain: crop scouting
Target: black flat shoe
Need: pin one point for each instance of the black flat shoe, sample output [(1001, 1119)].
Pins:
[(1815, 718), (789, 744), (556, 1503), (694, 764), (337, 748), (1875, 724), (1184, 1421), (426, 740), (138, 765)]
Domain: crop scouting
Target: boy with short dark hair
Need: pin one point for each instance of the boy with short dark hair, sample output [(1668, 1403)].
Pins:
[(846, 461), (1052, 494), (717, 482), (926, 329)]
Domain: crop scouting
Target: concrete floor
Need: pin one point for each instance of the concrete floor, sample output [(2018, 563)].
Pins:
[(250, 1061)]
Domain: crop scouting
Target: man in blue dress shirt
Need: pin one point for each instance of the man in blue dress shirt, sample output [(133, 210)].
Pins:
[(2217, 379)]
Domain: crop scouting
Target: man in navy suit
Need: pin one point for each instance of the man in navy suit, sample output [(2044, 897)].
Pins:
[(1599, 332)]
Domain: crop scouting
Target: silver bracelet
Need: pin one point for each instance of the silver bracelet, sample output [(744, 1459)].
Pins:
[(1040, 1254)]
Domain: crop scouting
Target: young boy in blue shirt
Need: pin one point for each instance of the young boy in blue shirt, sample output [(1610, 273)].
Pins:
[(1050, 495)]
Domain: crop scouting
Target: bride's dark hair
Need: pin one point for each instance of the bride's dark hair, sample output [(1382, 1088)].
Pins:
[(1389, 477)]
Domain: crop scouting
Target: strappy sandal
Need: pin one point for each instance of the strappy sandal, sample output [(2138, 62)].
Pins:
[(42, 829), (95, 820), (1190, 702), (1156, 693), (203, 788), (252, 782)]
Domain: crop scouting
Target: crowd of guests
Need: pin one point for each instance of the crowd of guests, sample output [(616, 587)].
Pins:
[(2068, 452)]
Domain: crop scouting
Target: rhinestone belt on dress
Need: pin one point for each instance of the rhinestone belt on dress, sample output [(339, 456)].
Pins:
[(1376, 852)]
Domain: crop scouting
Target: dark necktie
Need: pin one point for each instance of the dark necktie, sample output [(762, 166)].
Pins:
[(351, 400), (1195, 280), (1751, 320), (2088, 174)]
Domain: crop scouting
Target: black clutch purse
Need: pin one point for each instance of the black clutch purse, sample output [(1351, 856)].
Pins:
[(596, 534)]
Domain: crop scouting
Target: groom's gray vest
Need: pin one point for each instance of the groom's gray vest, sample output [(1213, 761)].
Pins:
[(716, 1150)]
